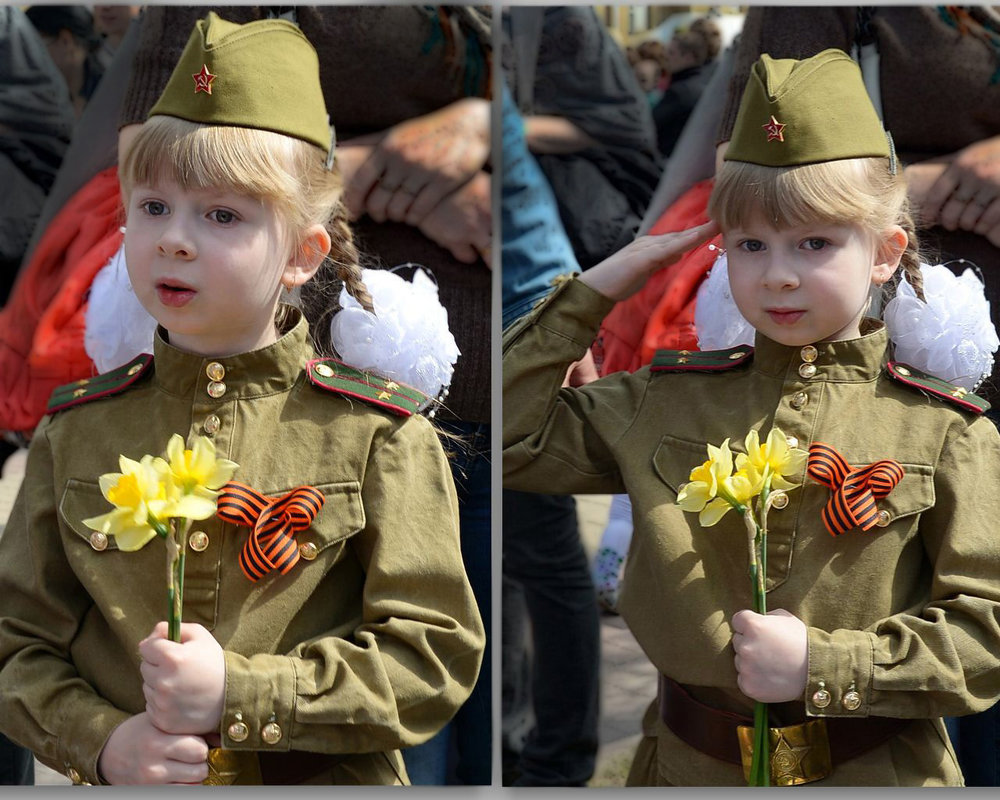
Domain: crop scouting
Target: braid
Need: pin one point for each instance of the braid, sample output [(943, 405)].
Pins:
[(345, 257), (910, 260)]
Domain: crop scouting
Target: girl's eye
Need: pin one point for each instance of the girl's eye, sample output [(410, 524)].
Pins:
[(154, 208), (752, 245), (222, 216), (815, 244)]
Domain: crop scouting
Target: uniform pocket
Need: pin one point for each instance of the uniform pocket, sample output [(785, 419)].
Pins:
[(82, 500), (912, 495), (341, 516), (674, 459)]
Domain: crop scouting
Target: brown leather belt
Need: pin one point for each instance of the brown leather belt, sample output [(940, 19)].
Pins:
[(713, 732)]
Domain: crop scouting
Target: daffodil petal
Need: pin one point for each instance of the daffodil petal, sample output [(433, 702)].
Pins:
[(132, 539), (191, 506), (713, 512), (693, 496)]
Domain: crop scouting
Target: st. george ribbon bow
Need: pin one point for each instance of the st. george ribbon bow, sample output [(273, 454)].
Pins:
[(854, 490), (273, 521)]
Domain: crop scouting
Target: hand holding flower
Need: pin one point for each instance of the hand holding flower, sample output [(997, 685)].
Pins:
[(138, 752), (771, 655), (184, 683)]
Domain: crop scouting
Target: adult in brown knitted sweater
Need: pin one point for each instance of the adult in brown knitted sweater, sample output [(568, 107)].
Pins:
[(939, 73)]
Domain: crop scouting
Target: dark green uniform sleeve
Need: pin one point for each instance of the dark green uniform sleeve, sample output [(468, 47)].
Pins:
[(941, 658), (406, 669), (45, 704), (556, 439)]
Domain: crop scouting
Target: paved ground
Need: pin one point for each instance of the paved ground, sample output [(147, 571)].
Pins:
[(628, 680)]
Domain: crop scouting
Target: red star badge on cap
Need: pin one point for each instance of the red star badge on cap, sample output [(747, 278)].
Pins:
[(203, 80), (774, 130)]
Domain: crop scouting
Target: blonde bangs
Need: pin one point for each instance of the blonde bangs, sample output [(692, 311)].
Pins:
[(859, 191), (247, 161)]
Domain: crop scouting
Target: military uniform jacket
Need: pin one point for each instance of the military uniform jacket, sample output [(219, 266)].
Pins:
[(907, 614), (370, 646)]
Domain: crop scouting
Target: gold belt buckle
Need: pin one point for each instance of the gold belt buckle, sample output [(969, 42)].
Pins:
[(232, 768), (799, 753)]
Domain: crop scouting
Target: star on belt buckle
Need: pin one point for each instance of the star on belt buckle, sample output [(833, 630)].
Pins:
[(799, 753)]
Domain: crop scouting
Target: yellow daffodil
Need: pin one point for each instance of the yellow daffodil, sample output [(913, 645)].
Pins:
[(197, 475), (140, 495), (713, 489), (774, 458)]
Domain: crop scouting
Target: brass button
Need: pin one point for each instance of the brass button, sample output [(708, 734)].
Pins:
[(883, 518), (216, 389), (99, 541), (271, 733), (851, 700), (215, 371), (798, 401), (325, 370), (308, 551), (809, 353), (135, 369), (779, 500), (807, 370), (238, 731), (212, 424), (821, 697), (792, 441), (198, 541), (903, 371), (73, 775), (736, 355)]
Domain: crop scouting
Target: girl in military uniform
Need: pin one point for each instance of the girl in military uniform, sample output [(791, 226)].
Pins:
[(875, 634), (368, 638)]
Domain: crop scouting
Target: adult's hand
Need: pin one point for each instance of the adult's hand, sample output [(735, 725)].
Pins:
[(462, 222), (418, 162), (966, 196), (137, 752)]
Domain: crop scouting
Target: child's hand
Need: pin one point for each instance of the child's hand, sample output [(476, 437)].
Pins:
[(139, 752), (622, 274), (184, 683), (771, 655)]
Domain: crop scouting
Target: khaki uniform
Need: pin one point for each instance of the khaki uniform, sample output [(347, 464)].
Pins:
[(370, 643), (906, 614)]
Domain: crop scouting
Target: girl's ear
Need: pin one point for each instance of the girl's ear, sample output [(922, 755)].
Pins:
[(307, 256), (890, 251)]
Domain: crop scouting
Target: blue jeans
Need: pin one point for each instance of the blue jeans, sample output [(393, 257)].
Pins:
[(549, 591), (462, 753), (976, 739), (17, 765)]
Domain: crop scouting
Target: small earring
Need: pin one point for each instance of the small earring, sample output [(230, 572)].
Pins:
[(121, 229)]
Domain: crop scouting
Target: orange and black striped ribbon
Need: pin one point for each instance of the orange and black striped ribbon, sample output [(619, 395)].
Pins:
[(855, 491), (273, 521)]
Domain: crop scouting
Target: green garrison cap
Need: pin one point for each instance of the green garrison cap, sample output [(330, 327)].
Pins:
[(802, 112), (263, 74)]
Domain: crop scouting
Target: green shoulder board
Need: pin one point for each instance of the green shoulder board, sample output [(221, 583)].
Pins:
[(700, 360), (103, 385), (928, 384), (340, 378)]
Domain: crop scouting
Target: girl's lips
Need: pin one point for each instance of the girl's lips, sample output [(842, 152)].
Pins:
[(174, 295), (783, 316)]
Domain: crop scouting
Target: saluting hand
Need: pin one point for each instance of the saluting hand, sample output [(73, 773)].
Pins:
[(622, 274), (184, 682), (138, 752), (772, 655)]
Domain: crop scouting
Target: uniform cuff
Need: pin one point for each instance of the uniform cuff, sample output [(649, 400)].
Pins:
[(258, 710), (572, 309), (839, 679), (78, 738)]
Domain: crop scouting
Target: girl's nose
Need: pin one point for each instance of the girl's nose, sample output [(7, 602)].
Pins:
[(780, 275), (175, 243)]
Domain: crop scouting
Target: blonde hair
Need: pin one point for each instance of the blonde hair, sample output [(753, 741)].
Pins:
[(859, 191), (288, 172)]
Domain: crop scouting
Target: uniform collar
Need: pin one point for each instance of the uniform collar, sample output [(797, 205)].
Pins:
[(269, 370), (860, 359)]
